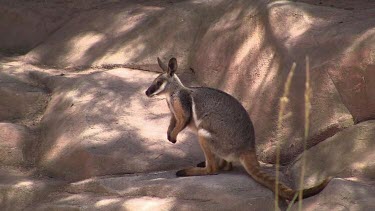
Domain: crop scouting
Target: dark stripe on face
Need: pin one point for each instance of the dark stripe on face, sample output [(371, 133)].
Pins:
[(151, 90)]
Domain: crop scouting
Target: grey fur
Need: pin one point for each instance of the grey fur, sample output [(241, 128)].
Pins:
[(226, 120)]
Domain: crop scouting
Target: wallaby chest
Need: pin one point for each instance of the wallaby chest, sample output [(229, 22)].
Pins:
[(180, 104)]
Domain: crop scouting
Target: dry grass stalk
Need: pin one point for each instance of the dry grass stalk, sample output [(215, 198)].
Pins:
[(283, 103), (308, 93)]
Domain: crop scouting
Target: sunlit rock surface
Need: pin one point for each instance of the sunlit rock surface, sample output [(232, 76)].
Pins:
[(261, 41), (78, 133)]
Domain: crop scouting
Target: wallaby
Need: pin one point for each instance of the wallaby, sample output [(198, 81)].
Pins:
[(225, 131)]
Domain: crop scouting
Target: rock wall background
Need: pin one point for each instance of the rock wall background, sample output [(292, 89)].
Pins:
[(73, 110)]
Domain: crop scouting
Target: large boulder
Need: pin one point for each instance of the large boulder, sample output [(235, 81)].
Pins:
[(341, 194), (19, 189), (261, 40), (13, 142), (23, 26), (123, 33), (163, 191), (21, 107), (356, 80), (19, 101), (26, 24), (349, 153), (102, 123)]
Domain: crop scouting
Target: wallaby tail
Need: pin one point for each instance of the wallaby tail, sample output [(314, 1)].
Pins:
[(251, 165), (316, 189)]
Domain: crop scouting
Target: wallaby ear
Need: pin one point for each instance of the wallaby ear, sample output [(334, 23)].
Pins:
[(172, 66), (162, 65)]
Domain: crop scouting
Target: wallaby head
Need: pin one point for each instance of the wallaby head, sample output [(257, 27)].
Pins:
[(166, 81)]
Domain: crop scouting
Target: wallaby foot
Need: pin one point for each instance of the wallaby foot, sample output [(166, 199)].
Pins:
[(195, 171)]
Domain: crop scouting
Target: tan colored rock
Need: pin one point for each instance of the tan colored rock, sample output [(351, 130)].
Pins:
[(26, 24), (19, 189), (349, 153), (341, 194), (162, 190), (356, 85), (102, 123), (99, 121), (12, 144), (261, 42), (21, 29), (245, 48), (127, 33), (19, 101)]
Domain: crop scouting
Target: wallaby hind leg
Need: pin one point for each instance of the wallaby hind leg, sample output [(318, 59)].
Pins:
[(211, 166), (223, 165)]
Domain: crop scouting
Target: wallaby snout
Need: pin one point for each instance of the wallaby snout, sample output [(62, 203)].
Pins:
[(163, 81), (149, 91)]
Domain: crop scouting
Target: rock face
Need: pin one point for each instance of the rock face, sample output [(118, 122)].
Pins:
[(27, 24), (349, 153), (21, 106), (103, 123), (19, 189), (20, 101), (259, 49), (342, 194), (30, 25), (261, 40), (84, 118), (162, 191), (12, 144), (118, 34)]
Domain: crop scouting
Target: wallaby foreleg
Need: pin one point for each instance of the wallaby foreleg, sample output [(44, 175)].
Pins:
[(172, 125), (178, 122)]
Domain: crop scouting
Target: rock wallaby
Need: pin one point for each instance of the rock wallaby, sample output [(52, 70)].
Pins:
[(225, 131)]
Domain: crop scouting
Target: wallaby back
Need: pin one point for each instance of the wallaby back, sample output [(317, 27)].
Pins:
[(230, 129), (231, 136)]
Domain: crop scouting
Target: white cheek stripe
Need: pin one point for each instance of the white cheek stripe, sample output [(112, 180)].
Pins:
[(161, 88)]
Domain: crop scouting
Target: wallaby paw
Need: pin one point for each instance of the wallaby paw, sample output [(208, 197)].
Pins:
[(202, 164), (173, 140)]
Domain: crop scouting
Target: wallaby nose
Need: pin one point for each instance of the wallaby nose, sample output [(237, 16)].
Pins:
[(148, 92)]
